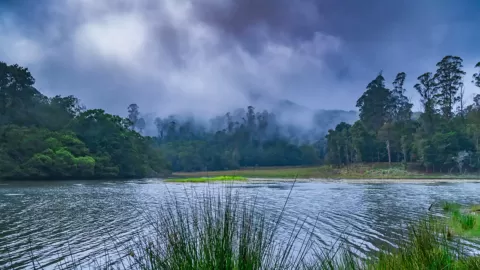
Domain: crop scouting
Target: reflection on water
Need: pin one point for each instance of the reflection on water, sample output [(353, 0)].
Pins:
[(51, 219)]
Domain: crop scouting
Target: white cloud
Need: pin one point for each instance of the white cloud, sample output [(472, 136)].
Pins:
[(116, 37)]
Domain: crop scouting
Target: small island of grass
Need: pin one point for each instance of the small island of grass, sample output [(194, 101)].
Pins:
[(208, 179), (463, 220)]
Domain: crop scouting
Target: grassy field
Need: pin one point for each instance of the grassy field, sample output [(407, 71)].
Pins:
[(463, 220), (222, 178), (356, 171)]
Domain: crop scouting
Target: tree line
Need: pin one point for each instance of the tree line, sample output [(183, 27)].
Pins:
[(57, 138), (444, 138)]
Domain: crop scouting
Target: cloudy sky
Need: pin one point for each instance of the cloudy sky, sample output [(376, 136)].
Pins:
[(208, 56)]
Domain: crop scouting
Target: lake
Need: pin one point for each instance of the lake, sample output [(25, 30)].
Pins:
[(46, 219)]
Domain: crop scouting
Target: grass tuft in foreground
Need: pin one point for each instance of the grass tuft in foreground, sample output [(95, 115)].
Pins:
[(208, 179), (221, 231)]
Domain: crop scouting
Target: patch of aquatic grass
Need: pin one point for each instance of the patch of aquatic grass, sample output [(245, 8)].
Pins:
[(466, 221), (208, 179), (450, 207), (426, 247), (462, 221), (465, 224)]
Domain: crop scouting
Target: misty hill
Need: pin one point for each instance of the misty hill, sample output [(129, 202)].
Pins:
[(285, 118)]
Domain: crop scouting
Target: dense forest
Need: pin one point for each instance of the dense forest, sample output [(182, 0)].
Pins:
[(42, 137), (56, 138), (243, 138), (444, 138)]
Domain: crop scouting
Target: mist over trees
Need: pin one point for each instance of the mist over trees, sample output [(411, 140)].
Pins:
[(243, 138)]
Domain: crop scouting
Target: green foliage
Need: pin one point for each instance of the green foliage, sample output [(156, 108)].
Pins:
[(45, 138), (374, 104), (450, 207), (467, 221), (448, 80)]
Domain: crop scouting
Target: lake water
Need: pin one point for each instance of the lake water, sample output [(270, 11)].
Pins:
[(46, 220)]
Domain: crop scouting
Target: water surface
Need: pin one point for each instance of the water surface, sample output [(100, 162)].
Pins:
[(46, 220)]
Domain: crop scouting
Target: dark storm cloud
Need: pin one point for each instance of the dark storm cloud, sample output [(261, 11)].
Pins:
[(207, 56), (255, 22)]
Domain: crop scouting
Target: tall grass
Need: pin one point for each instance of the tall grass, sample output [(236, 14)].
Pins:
[(219, 231)]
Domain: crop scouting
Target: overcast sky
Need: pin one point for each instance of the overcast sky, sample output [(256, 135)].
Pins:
[(208, 56)]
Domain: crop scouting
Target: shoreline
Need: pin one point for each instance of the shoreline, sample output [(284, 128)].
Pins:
[(365, 180)]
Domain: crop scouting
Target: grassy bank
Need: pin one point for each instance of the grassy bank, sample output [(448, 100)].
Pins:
[(222, 178), (355, 171), (463, 220)]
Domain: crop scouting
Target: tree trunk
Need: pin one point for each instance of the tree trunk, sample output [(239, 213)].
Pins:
[(347, 156), (389, 154)]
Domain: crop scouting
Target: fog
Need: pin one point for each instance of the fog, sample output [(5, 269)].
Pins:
[(204, 58)]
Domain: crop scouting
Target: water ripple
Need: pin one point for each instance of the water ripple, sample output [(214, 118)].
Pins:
[(48, 220)]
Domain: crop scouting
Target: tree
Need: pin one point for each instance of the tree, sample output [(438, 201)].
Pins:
[(133, 114), (428, 96), (402, 108), (476, 76), (19, 99), (448, 80), (375, 104), (386, 134), (461, 96)]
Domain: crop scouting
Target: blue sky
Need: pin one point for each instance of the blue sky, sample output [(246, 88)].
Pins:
[(209, 56)]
